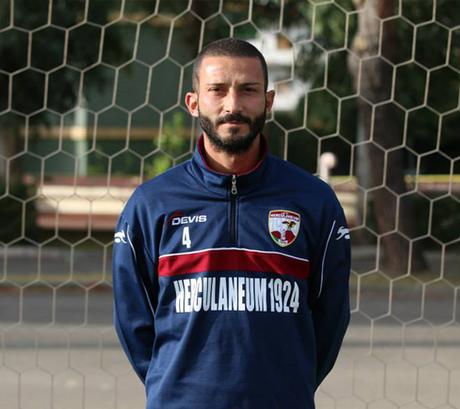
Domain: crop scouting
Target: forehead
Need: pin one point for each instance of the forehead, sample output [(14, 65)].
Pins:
[(223, 69)]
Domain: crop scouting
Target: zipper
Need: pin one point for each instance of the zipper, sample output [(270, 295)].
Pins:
[(233, 196)]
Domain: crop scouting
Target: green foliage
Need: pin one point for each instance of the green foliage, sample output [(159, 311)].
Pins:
[(410, 85), (322, 113), (412, 78), (330, 27), (11, 213), (445, 224), (173, 142), (48, 50), (419, 125), (97, 164), (417, 11), (431, 56), (159, 164), (321, 54), (338, 79)]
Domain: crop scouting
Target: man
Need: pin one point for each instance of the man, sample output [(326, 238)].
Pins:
[(212, 311)]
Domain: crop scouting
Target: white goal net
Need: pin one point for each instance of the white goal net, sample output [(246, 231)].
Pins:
[(92, 104)]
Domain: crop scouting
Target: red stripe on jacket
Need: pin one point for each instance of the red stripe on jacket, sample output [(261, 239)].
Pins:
[(215, 260)]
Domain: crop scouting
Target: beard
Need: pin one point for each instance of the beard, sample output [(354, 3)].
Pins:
[(233, 144)]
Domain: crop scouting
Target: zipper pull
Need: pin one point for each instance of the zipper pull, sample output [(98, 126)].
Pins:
[(234, 190)]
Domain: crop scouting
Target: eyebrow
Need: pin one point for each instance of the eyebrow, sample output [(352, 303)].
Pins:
[(242, 84)]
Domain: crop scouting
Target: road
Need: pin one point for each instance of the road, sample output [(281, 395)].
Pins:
[(82, 367), (59, 349)]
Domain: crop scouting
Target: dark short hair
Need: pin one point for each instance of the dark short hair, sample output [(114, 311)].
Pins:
[(229, 47)]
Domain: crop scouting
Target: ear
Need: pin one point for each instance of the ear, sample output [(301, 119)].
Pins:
[(269, 97), (191, 100)]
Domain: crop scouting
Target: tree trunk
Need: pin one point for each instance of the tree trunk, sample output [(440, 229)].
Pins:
[(386, 169)]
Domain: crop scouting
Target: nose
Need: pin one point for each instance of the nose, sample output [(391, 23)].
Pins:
[(232, 102)]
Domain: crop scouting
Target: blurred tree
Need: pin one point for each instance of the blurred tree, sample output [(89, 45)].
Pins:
[(173, 143), (323, 37), (45, 46), (373, 79), (41, 73), (379, 45)]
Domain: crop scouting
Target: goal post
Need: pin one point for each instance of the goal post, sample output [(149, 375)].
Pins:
[(92, 104)]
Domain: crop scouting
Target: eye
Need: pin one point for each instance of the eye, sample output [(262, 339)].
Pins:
[(215, 89)]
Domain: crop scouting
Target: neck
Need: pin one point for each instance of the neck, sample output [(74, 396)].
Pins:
[(234, 164)]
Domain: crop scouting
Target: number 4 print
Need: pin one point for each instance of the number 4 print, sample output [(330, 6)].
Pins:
[(186, 237)]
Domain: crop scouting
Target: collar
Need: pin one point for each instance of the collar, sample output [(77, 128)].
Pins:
[(221, 182)]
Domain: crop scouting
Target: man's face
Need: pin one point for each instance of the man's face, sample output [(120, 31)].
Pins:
[(231, 102)]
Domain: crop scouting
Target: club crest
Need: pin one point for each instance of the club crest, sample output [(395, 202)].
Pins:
[(283, 226)]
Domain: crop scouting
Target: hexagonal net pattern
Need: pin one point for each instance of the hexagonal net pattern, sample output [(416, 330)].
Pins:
[(92, 104)]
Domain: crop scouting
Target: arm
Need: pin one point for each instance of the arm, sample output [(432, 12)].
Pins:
[(329, 292), (133, 290)]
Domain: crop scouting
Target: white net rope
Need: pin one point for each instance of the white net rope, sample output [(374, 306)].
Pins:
[(91, 104)]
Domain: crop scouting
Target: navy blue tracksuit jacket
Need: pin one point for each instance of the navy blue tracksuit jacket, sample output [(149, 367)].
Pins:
[(231, 291)]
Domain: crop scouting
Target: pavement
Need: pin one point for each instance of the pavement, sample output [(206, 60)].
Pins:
[(58, 348), (75, 367)]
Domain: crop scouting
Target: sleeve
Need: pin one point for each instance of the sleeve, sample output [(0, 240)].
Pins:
[(133, 287), (329, 291)]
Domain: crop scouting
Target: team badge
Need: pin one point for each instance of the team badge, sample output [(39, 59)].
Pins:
[(283, 226)]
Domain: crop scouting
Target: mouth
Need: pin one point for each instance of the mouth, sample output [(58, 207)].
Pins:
[(234, 123), (233, 120)]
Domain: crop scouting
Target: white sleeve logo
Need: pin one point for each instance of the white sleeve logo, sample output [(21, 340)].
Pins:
[(120, 237), (343, 232)]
